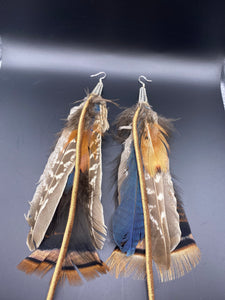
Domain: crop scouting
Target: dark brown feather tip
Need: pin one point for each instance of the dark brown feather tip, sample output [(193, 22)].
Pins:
[(75, 266)]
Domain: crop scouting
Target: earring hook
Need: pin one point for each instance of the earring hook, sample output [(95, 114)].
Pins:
[(98, 89), (142, 92), (141, 82), (102, 72)]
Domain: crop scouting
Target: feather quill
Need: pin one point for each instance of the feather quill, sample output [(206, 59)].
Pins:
[(66, 210)]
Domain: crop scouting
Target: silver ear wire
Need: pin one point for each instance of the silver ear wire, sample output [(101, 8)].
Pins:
[(98, 89), (142, 92)]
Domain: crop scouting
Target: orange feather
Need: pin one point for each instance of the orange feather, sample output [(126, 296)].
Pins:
[(72, 136), (84, 161), (88, 138), (154, 149), (85, 156)]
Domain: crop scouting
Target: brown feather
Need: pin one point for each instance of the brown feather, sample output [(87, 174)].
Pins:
[(85, 160)]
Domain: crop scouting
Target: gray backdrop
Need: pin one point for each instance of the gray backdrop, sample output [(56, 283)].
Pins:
[(35, 97)]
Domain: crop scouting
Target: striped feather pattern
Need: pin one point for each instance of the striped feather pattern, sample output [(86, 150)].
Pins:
[(88, 266), (51, 186)]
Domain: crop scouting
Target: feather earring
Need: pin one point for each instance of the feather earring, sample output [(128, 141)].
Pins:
[(66, 214), (149, 222)]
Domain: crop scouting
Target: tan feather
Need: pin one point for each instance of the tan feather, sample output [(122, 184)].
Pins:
[(134, 265), (156, 163), (50, 189), (182, 262), (172, 214), (51, 199), (159, 228), (95, 178)]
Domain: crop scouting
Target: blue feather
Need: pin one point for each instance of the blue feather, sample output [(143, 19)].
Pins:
[(128, 220), (97, 108), (69, 183)]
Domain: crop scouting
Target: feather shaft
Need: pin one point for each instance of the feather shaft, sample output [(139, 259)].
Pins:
[(69, 225), (150, 282)]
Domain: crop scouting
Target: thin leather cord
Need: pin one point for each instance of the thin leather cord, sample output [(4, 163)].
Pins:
[(148, 244), (72, 210)]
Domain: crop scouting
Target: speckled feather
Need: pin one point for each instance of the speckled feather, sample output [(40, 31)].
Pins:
[(50, 205), (173, 247), (54, 178), (162, 202)]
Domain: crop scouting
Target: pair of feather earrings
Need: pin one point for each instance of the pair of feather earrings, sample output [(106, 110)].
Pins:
[(66, 214)]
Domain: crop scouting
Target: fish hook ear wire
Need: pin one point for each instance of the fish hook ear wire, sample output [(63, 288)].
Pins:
[(142, 91), (98, 89)]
